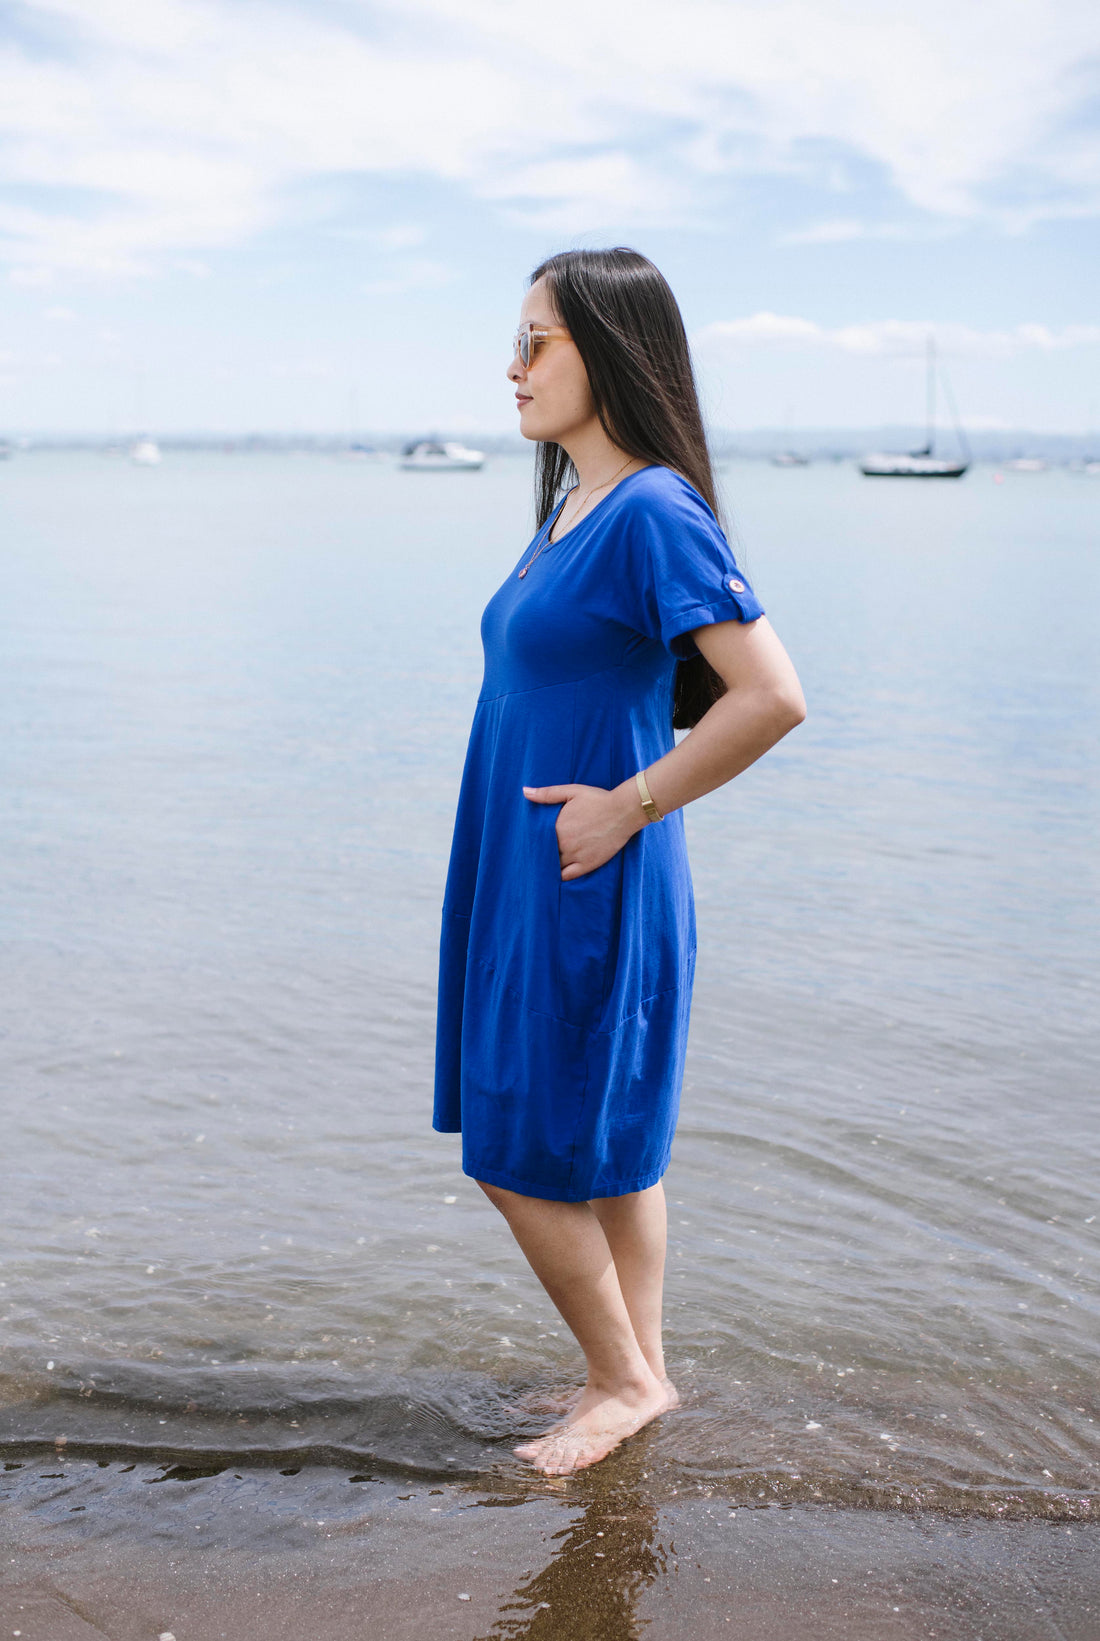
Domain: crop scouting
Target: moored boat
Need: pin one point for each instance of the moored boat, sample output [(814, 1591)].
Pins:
[(923, 463), (145, 453), (441, 456), (919, 464)]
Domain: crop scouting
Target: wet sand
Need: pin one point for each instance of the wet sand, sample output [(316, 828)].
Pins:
[(136, 1553)]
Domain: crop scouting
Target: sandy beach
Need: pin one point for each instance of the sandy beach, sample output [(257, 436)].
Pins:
[(90, 1551)]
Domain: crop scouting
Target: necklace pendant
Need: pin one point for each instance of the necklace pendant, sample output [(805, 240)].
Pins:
[(523, 572)]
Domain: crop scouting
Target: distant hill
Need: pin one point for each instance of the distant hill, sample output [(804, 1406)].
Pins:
[(819, 443), (993, 445)]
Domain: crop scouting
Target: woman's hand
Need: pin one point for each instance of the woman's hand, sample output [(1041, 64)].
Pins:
[(762, 702), (593, 824)]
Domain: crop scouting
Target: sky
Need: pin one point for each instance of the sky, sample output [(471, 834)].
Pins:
[(273, 215)]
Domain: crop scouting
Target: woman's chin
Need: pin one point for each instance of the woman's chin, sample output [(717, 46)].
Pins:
[(535, 427)]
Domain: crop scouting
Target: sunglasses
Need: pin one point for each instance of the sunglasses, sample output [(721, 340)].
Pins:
[(530, 338)]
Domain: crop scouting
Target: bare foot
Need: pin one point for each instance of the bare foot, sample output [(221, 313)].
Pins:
[(539, 1402), (548, 1403), (595, 1428), (563, 1402)]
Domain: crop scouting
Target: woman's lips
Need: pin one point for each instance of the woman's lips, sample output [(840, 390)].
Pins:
[(522, 399)]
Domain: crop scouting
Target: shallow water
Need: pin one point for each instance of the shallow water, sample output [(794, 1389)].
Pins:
[(235, 694)]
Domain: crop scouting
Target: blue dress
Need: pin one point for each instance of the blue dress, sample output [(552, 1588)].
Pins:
[(563, 1006)]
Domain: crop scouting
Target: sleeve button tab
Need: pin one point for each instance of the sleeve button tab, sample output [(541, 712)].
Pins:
[(736, 586)]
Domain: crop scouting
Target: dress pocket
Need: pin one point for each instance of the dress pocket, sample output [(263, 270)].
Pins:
[(589, 914)]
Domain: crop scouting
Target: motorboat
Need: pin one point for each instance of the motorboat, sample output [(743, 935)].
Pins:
[(923, 463), (789, 458), (440, 456), (145, 453)]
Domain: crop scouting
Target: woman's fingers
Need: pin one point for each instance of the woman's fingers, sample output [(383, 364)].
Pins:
[(549, 794), (556, 794), (585, 845)]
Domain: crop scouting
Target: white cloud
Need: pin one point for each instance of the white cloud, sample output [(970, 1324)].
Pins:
[(950, 101), (840, 230), (577, 195), (899, 338), (184, 125)]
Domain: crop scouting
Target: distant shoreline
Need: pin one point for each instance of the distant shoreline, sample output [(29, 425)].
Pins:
[(818, 444)]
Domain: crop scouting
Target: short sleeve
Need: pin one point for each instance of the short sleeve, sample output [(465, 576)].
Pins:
[(687, 572)]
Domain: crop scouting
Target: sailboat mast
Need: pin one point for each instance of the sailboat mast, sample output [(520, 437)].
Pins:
[(924, 463)]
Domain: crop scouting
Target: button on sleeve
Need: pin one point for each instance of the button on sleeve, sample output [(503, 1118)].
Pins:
[(691, 576)]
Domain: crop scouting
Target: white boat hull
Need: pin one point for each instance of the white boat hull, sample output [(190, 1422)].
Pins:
[(442, 464), (433, 456), (923, 463), (911, 467)]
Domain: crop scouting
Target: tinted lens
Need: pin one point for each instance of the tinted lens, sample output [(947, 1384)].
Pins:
[(525, 348)]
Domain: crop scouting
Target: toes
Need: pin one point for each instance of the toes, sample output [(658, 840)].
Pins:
[(574, 1446), (560, 1465), (551, 1457)]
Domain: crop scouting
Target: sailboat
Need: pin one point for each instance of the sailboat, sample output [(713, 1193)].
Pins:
[(923, 463)]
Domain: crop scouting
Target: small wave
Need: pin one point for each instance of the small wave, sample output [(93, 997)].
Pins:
[(435, 1425), (458, 1426)]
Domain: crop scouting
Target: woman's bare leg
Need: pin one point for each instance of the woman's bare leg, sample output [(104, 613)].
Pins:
[(636, 1228), (568, 1251)]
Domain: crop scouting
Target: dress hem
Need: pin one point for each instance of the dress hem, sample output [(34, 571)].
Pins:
[(546, 1193)]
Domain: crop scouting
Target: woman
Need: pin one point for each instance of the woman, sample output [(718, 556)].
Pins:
[(568, 946)]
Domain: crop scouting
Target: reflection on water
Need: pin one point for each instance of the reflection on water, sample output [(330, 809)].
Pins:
[(602, 1564)]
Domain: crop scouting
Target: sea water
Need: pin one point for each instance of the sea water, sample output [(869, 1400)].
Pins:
[(235, 692)]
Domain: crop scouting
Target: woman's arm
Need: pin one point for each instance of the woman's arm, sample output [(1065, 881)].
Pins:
[(763, 701)]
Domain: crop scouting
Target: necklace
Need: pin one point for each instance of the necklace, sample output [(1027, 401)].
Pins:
[(539, 549), (543, 545)]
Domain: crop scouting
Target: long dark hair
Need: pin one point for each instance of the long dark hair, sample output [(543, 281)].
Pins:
[(625, 321)]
